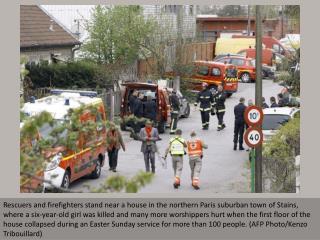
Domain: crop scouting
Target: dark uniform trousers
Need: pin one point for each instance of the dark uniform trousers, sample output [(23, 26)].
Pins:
[(205, 117), (220, 118), (238, 132), (174, 121)]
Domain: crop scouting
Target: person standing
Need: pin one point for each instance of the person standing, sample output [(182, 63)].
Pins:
[(114, 141), (149, 135), (176, 149), (195, 152), (132, 99), (205, 98), (264, 104), (273, 103), (281, 101), (150, 109), (138, 106), (219, 99), (175, 108), (239, 124)]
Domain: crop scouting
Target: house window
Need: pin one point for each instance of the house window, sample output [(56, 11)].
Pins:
[(170, 8), (191, 10)]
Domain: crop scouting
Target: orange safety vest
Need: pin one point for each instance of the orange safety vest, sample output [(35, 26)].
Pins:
[(194, 148)]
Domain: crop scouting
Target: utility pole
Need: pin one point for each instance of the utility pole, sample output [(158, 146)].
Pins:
[(176, 83), (258, 96), (249, 22), (282, 16)]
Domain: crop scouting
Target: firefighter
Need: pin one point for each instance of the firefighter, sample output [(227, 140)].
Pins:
[(195, 152), (176, 149), (239, 124), (219, 99), (175, 108), (205, 98)]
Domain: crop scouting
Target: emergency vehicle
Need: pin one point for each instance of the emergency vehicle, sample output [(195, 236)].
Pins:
[(66, 165), (212, 73)]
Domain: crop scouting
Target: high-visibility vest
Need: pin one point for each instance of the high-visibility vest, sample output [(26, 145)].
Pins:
[(176, 146), (194, 147)]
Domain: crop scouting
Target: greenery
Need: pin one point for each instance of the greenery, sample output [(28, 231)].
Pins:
[(290, 73), (279, 154), (80, 74), (117, 35)]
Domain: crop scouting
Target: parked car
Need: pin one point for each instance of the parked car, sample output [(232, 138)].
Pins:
[(159, 95), (67, 165), (267, 55), (267, 71), (274, 118), (246, 67)]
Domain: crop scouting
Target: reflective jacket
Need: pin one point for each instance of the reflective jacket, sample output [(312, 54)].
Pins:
[(219, 99), (195, 148), (177, 146), (206, 100)]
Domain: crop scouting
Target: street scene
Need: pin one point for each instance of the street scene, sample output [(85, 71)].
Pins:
[(181, 99)]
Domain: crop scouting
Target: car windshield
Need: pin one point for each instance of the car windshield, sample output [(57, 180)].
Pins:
[(274, 121)]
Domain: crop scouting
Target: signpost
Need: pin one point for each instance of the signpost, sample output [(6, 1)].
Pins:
[(253, 137)]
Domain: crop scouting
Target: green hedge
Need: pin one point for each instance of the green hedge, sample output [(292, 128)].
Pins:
[(81, 74)]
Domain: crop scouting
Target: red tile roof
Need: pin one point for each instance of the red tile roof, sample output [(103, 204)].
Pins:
[(35, 29)]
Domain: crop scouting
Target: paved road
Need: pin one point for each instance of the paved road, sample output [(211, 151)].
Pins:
[(223, 171)]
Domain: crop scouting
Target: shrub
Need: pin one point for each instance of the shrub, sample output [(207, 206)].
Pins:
[(81, 74), (279, 156)]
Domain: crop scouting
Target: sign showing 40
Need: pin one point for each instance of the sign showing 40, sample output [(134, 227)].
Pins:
[(253, 137)]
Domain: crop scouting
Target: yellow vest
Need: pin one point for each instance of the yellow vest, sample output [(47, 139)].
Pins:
[(176, 146)]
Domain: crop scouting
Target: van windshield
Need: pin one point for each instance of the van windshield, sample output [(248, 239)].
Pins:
[(53, 133)]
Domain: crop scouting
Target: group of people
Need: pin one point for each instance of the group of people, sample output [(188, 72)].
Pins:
[(210, 104), (140, 108), (240, 124), (177, 148)]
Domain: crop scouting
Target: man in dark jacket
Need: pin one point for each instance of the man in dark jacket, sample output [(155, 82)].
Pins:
[(219, 99), (239, 124), (138, 106), (175, 108), (132, 100), (205, 98), (264, 104), (150, 109), (273, 103)]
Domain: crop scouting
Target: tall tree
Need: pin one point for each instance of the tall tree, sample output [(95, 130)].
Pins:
[(116, 34)]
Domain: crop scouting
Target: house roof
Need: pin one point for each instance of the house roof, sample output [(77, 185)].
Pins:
[(38, 29)]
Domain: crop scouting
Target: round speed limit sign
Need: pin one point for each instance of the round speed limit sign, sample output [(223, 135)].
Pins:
[(253, 137), (253, 116)]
